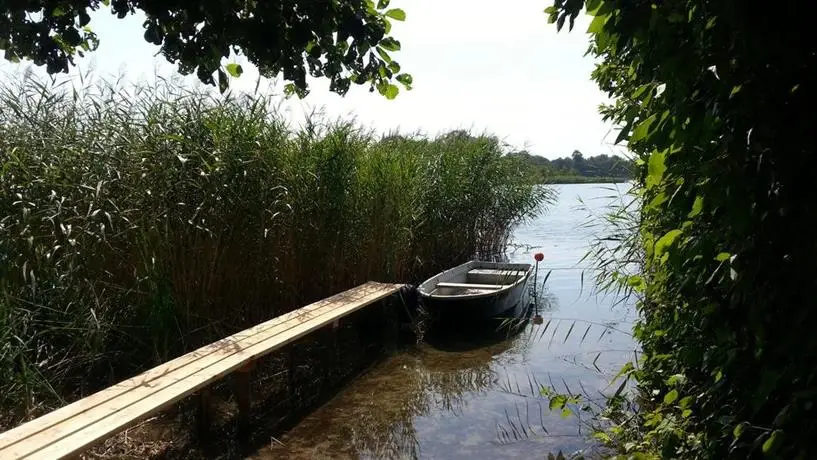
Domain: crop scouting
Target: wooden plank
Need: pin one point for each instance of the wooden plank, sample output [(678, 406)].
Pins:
[(258, 345), (471, 286), (147, 378), (96, 417)]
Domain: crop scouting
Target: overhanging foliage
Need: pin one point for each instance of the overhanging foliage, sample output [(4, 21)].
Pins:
[(346, 42), (715, 98)]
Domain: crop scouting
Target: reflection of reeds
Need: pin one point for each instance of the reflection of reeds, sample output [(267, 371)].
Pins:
[(541, 399), (447, 390), (406, 387)]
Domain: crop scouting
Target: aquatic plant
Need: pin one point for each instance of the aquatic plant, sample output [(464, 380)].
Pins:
[(140, 221)]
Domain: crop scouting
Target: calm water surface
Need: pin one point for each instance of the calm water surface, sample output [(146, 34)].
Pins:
[(480, 401)]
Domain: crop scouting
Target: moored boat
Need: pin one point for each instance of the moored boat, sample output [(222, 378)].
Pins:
[(475, 291)]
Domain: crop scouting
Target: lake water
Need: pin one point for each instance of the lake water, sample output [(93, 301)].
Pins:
[(482, 401)]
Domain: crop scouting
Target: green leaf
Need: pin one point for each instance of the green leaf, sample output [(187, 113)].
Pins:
[(234, 70), (390, 44), (771, 444), (560, 22), (739, 429), (670, 397), (625, 131), (642, 89), (723, 256), (666, 241), (597, 25), (657, 201), (390, 91), (625, 370), (642, 129), (655, 169), (697, 207), (396, 14), (383, 54), (290, 89), (601, 436), (735, 90), (676, 379), (686, 413), (557, 402), (637, 283), (58, 12), (405, 79)]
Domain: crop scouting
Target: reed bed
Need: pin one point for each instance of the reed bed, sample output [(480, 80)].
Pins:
[(140, 221)]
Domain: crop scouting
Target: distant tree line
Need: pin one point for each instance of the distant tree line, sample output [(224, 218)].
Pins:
[(578, 168)]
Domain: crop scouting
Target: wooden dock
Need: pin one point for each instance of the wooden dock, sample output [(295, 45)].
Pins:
[(77, 426)]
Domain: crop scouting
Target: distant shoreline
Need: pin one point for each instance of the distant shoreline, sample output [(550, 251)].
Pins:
[(585, 180)]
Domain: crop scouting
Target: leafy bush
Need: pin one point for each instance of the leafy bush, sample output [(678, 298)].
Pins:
[(138, 222), (715, 99)]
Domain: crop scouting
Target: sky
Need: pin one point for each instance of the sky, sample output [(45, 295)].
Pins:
[(487, 66)]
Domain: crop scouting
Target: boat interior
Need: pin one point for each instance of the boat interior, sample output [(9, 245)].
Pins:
[(478, 281)]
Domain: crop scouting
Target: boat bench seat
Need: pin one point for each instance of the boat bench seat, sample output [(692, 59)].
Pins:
[(471, 286), (493, 276)]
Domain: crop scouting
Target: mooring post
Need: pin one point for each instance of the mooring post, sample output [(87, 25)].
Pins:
[(203, 413), (243, 398)]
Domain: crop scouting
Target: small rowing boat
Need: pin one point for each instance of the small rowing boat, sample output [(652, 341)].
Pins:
[(475, 290)]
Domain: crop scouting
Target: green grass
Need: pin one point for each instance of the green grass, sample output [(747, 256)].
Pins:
[(139, 222)]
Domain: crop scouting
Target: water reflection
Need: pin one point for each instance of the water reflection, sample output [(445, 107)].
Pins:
[(460, 398), (375, 418)]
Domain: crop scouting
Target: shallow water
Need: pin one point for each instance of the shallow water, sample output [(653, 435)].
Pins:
[(480, 400)]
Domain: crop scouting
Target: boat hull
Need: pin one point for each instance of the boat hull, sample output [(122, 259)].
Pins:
[(479, 308)]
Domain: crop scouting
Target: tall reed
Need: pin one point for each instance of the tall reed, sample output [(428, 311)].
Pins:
[(140, 221)]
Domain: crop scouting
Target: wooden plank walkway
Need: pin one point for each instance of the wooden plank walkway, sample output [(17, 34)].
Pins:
[(77, 426)]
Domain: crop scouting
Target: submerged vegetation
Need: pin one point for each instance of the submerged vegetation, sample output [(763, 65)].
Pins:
[(138, 222)]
